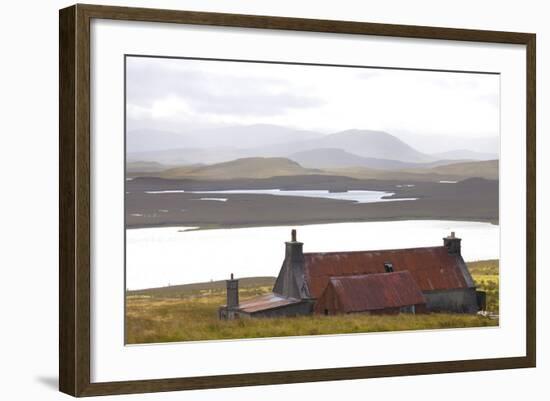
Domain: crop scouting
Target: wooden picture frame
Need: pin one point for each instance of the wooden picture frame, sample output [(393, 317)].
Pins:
[(74, 199)]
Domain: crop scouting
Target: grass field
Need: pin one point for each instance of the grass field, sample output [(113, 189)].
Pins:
[(189, 313), (486, 276)]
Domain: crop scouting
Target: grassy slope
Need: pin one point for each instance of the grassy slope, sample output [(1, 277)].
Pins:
[(454, 172), (484, 169), (188, 313), (260, 167), (252, 167)]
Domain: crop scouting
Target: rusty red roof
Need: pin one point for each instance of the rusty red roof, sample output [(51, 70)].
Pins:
[(432, 268), (370, 292), (265, 302)]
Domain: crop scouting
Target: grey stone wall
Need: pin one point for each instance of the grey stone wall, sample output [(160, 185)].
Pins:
[(455, 301), (298, 309)]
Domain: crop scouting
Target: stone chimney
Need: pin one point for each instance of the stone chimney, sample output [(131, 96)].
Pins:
[(232, 292), (452, 243), (290, 282), (294, 249)]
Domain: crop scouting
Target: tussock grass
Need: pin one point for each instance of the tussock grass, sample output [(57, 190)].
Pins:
[(486, 276), (484, 267), (184, 320), (189, 313)]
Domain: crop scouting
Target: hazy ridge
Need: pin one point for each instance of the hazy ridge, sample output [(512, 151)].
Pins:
[(349, 148)]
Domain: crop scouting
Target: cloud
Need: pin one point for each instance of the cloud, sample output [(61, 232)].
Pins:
[(222, 90), (172, 94)]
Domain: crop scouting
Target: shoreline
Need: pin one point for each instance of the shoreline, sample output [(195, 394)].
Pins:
[(221, 226)]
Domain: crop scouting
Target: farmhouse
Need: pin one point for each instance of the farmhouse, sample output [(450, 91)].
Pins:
[(415, 280)]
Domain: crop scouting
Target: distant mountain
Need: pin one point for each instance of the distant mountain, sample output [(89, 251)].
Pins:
[(350, 148), (376, 144), (183, 156), (338, 158), (327, 158), (465, 154), (364, 143), (252, 167), (242, 137)]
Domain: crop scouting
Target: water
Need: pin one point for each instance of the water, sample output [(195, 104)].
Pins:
[(214, 199), (158, 257), (357, 196)]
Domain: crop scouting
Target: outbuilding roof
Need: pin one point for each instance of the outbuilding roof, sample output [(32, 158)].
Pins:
[(371, 292), (432, 268), (266, 302)]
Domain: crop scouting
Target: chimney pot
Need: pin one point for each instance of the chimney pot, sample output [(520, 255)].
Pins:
[(293, 235), (231, 276), (452, 243)]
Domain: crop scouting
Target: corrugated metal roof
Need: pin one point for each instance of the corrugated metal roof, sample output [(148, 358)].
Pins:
[(432, 268), (265, 302), (370, 292)]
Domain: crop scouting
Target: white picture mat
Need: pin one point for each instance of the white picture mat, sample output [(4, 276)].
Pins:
[(112, 361)]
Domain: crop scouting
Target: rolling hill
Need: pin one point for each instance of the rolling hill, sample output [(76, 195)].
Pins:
[(450, 172), (482, 169), (327, 158), (252, 167), (260, 167), (144, 167)]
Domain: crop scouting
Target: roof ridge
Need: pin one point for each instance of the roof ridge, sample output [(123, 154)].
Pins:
[(361, 275), (374, 250)]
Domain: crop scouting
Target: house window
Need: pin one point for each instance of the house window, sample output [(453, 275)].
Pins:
[(388, 267)]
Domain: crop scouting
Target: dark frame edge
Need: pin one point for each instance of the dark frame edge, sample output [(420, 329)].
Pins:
[(299, 376), (300, 24), (74, 202), (67, 224), (531, 201), (74, 196)]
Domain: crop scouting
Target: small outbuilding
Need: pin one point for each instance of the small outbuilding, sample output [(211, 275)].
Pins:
[(380, 293)]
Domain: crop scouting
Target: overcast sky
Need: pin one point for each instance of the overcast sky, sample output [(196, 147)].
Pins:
[(177, 95)]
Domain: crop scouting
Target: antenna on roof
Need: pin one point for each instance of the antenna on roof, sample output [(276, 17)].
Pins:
[(293, 235)]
